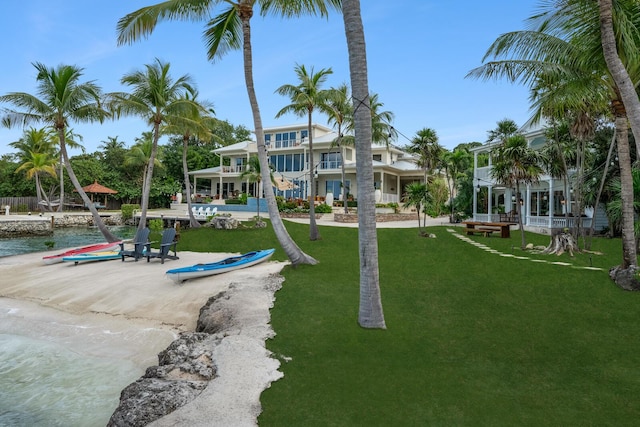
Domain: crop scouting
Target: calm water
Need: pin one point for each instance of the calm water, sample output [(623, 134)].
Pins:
[(63, 238), (61, 373)]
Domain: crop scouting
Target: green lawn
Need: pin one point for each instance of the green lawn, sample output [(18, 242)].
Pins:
[(472, 338)]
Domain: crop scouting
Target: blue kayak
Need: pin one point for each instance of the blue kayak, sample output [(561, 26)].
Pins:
[(179, 275)]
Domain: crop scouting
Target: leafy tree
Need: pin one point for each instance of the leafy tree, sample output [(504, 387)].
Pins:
[(306, 97), (63, 99), (370, 313)]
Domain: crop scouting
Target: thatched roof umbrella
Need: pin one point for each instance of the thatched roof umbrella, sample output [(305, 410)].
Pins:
[(96, 188)]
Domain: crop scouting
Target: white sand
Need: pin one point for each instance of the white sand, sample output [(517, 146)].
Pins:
[(144, 310)]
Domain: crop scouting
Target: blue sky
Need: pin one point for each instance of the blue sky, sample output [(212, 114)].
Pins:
[(419, 52)]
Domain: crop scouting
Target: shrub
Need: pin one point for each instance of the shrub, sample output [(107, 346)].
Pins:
[(323, 208), (127, 210)]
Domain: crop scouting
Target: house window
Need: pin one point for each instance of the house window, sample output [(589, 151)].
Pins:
[(377, 157), (330, 160), (304, 134), (267, 140)]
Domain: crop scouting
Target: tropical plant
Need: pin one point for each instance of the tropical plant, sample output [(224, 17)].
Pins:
[(425, 145), (231, 30), (455, 164), (63, 99), (306, 97), (72, 140), (382, 130), (370, 313), (156, 98), (416, 196), (516, 164)]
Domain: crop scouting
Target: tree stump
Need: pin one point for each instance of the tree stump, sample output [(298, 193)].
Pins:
[(560, 243)]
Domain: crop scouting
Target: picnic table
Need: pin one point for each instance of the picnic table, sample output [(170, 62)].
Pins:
[(487, 228)]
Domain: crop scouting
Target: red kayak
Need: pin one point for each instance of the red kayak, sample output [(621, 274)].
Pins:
[(98, 247)]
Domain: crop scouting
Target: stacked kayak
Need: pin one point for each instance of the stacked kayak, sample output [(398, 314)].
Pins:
[(195, 271), (92, 256), (98, 247)]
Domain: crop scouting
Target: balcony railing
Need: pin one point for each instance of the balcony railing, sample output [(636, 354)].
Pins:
[(233, 169)]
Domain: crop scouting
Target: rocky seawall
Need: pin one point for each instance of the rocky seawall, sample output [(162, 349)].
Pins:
[(215, 374)]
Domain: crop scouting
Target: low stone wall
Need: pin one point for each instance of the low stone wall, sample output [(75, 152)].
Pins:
[(27, 227), (297, 215), (349, 218), (23, 225)]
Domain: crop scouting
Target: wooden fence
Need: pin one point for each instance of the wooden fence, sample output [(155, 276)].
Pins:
[(19, 204)]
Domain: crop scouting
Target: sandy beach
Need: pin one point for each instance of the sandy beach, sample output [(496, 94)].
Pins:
[(144, 311)]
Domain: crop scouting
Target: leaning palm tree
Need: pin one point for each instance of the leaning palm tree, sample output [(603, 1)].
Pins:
[(62, 99), (36, 165), (370, 314), (307, 97), (156, 97), (195, 123), (516, 164), (231, 30)]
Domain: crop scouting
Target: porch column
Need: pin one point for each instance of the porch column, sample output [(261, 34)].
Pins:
[(477, 181), (489, 201), (220, 178), (552, 204)]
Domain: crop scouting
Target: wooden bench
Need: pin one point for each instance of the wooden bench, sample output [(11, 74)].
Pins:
[(486, 228)]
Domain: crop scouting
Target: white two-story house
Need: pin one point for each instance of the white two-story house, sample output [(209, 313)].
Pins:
[(545, 205), (288, 151)]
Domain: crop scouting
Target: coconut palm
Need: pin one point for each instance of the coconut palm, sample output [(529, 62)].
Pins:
[(156, 97), (194, 123), (505, 128), (425, 145), (370, 313), (70, 141), (382, 131), (37, 157), (307, 97), (339, 112), (516, 164), (231, 30), (62, 99)]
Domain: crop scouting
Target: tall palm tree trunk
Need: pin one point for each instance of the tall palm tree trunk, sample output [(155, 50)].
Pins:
[(370, 314), (600, 189), (97, 220), (193, 222), (146, 186), (61, 205), (294, 253), (629, 249), (344, 181)]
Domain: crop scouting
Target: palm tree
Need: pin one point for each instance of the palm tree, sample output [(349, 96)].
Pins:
[(306, 97), (455, 163), (382, 131), (370, 314), (36, 154), (156, 98), (515, 164), (339, 112), (416, 195), (231, 30), (505, 128), (70, 141), (194, 123), (253, 174), (425, 145), (625, 275), (63, 99)]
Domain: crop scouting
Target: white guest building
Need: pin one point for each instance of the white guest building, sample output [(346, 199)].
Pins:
[(288, 151)]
